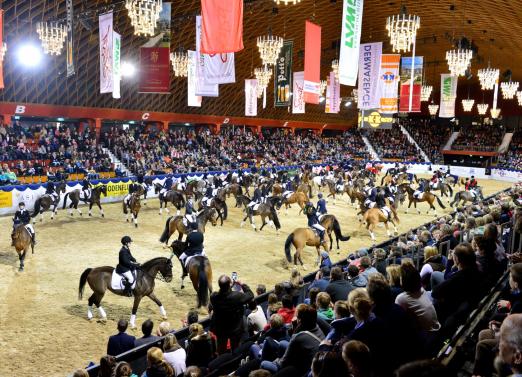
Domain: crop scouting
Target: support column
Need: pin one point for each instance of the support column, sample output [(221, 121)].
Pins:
[(258, 130), (6, 119), (165, 126), (216, 129), (97, 127)]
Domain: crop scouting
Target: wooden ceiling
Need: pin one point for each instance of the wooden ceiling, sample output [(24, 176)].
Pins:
[(493, 26)]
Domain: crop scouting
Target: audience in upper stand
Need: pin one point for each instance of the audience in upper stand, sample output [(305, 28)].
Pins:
[(431, 138), (512, 159), (483, 138), (393, 145)]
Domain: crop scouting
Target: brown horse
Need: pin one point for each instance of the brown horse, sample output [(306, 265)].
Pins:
[(175, 223), (44, 202), (373, 216), (305, 188), (426, 197), (200, 273), (234, 189), (264, 210), (331, 224), (132, 206), (333, 189), (277, 189), (95, 198), (300, 238), (297, 197), (22, 241), (172, 196), (99, 280)]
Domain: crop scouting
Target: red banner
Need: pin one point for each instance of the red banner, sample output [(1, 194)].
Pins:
[(312, 64), (222, 30), (405, 98), (1, 46), (154, 70)]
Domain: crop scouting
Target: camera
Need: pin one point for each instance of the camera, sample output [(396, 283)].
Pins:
[(234, 276)]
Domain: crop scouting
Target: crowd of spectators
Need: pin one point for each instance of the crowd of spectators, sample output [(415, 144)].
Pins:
[(393, 145), (482, 138), (386, 312), (431, 138), (512, 159)]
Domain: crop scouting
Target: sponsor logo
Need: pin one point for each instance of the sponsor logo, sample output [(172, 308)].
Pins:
[(349, 23), (375, 119), (389, 77)]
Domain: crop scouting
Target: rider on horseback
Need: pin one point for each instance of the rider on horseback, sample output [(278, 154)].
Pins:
[(288, 189), (435, 179), (167, 186), (22, 216), (86, 188), (420, 190), (127, 265), (372, 197), (50, 190), (339, 185), (191, 214), (313, 221), (194, 248), (208, 197), (321, 205), (256, 199), (471, 186)]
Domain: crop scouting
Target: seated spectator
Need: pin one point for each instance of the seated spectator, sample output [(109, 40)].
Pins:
[(260, 289), (80, 373), (146, 329), (329, 364), (123, 369), (357, 357), (156, 365), (322, 278), (393, 274), (121, 342), (366, 268), (433, 261), (355, 278), (174, 354), (192, 317), (273, 305), (164, 328), (256, 319), (193, 372), (201, 347), (379, 261), (343, 323), (510, 343), (312, 298), (324, 307), (287, 312), (274, 338), (107, 364), (338, 288)]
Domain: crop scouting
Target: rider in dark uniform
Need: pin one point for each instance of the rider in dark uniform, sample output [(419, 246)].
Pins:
[(127, 265), (86, 188), (321, 205), (194, 247), (49, 189), (23, 217), (190, 211), (313, 221), (256, 199)]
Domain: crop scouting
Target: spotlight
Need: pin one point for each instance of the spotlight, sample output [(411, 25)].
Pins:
[(29, 55), (128, 69), (321, 99), (348, 103)]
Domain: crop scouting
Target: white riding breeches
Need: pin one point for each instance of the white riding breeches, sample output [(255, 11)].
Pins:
[(368, 203), (30, 228), (319, 227), (163, 191), (418, 194), (129, 276)]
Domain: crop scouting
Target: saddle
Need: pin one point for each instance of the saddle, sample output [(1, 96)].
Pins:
[(189, 258), (386, 211), (117, 281)]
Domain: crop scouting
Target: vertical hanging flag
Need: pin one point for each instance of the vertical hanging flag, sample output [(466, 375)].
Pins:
[(369, 65), (222, 29), (350, 41), (335, 94), (312, 64), (106, 50), (163, 29), (389, 83), (448, 95), (154, 70), (406, 64), (69, 43), (251, 97), (192, 99), (1, 44), (219, 68), (283, 75), (116, 71), (298, 104), (327, 104), (203, 87)]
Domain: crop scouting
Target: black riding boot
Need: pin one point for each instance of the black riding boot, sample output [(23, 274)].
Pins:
[(33, 238), (12, 239), (183, 269), (321, 236), (128, 288)]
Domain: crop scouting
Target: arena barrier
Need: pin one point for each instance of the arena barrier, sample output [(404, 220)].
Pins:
[(10, 196)]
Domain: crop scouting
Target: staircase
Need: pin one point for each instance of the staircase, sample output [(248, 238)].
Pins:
[(375, 156), (412, 140), (450, 141), (117, 163), (503, 148)]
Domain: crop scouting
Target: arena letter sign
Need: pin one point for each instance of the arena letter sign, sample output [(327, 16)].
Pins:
[(350, 41)]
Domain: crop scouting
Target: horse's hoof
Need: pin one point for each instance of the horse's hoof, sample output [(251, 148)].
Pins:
[(182, 287), (90, 215), (127, 220), (304, 267), (103, 215), (135, 225), (21, 269)]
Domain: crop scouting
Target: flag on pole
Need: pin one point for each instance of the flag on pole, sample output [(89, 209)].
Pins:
[(312, 72), (222, 29)]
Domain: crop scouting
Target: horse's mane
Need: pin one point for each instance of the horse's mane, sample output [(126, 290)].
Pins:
[(152, 262)]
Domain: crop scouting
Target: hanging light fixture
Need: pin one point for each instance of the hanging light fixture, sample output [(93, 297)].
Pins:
[(458, 61), (426, 92), (286, 2), (519, 98), (494, 113), (402, 30), (322, 87), (3, 50), (433, 108), (488, 77), (144, 15), (335, 68), (482, 108), (180, 62), (355, 95), (509, 89), (263, 76), (467, 104), (269, 48), (52, 35)]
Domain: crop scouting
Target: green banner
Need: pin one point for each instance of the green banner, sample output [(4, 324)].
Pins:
[(283, 75)]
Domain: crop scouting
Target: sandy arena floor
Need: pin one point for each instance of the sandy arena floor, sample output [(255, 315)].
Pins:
[(44, 330)]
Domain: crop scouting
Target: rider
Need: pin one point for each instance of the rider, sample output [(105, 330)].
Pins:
[(256, 199), (380, 203), (127, 265), (190, 213), (372, 197), (50, 190), (167, 185), (205, 201), (86, 188), (471, 185), (339, 185), (321, 205), (435, 179), (288, 189), (420, 190), (22, 216), (194, 247), (313, 221)]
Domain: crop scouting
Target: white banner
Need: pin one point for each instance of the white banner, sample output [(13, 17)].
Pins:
[(350, 41), (106, 52), (251, 97), (192, 99), (389, 83), (298, 103), (203, 87), (369, 67), (335, 94), (116, 60), (448, 95), (219, 69)]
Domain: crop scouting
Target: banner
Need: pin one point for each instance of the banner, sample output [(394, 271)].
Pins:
[(448, 95), (203, 87), (373, 120), (69, 41), (1, 44), (283, 75), (118, 188), (333, 95), (6, 198), (251, 98), (192, 99), (350, 41), (312, 64), (222, 29), (154, 70), (116, 71), (106, 50), (163, 26), (369, 65), (219, 68), (298, 104), (327, 96), (404, 105), (389, 83)]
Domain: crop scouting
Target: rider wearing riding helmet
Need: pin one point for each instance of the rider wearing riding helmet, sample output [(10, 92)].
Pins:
[(23, 217), (313, 221), (420, 190), (127, 264), (194, 247), (321, 205), (256, 199), (190, 212), (167, 185), (86, 188), (208, 196)]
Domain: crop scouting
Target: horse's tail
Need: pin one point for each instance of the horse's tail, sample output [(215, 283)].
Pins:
[(275, 218), (165, 235), (240, 190), (450, 190), (416, 179), (439, 201), (225, 210), (65, 200), (310, 189), (456, 199), (288, 242), (202, 285), (36, 207), (382, 179), (337, 231), (83, 280)]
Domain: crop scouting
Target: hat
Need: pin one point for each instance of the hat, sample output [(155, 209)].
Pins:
[(362, 253), (126, 240), (324, 254)]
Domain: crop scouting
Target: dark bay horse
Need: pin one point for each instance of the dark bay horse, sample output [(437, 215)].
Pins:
[(331, 224), (141, 189), (172, 196), (99, 279), (264, 210), (462, 197), (95, 198), (44, 202), (132, 206), (200, 273), (219, 205), (175, 223), (22, 241), (427, 197)]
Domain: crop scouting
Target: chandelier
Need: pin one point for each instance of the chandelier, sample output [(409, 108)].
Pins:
[(426, 92), (355, 95), (467, 104), (402, 30), (286, 2), (263, 76), (3, 50), (322, 87), (488, 77), (433, 108), (335, 68), (519, 98), (509, 89), (52, 36), (458, 61), (180, 62), (144, 15), (494, 113), (482, 108), (269, 48)]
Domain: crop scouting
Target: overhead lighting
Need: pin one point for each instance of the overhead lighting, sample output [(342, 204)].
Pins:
[(128, 69), (494, 113), (467, 104), (180, 62), (355, 95), (348, 103), (426, 92), (269, 48), (144, 15), (3, 50), (482, 108), (60, 119), (402, 30), (335, 68), (187, 124), (29, 55), (519, 98), (322, 87), (488, 77), (321, 99), (458, 61), (509, 89), (52, 35), (263, 76), (286, 2), (433, 108)]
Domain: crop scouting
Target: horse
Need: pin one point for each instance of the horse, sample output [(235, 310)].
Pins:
[(132, 206), (199, 271), (297, 197), (175, 223), (141, 189), (194, 186), (243, 201), (331, 224), (99, 280), (332, 187), (94, 198), (305, 188), (277, 189), (373, 216), (426, 197), (22, 240), (466, 196), (172, 196), (234, 189), (264, 210), (44, 202), (246, 182), (444, 188), (300, 238)]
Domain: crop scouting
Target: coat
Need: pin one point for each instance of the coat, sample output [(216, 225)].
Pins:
[(301, 349), (228, 309), (339, 290), (120, 343), (22, 217), (126, 261)]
